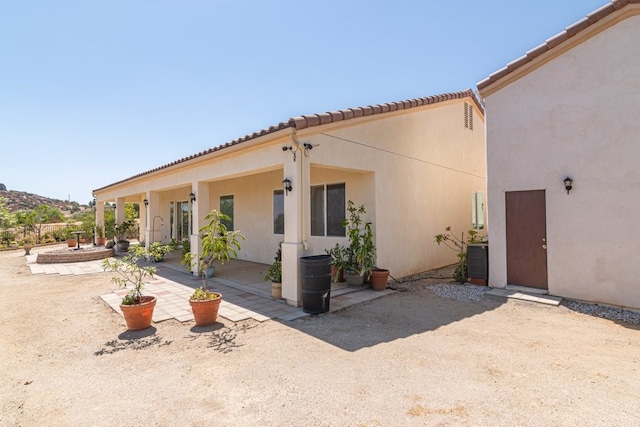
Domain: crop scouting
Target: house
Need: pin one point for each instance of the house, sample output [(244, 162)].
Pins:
[(415, 165), (568, 109)]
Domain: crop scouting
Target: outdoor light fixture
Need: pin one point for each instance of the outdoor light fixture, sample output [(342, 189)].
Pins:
[(192, 197), (286, 184), (568, 184), (146, 202)]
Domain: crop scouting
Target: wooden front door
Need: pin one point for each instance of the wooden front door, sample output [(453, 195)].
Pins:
[(526, 238)]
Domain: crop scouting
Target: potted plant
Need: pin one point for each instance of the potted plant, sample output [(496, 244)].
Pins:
[(27, 244), (275, 274), (120, 233), (136, 307), (157, 251), (361, 251), (72, 242), (101, 240), (217, 244), (379, 278), (339, 257)]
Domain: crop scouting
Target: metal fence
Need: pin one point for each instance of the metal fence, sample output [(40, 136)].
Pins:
[(42, 233), (47, 233)]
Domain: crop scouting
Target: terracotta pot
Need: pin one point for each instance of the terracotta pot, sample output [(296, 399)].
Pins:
[(101, 241), (27, 247), (276, 290), (139, 316), (379, 277), (205, 313), (72, 243), (340, 277)]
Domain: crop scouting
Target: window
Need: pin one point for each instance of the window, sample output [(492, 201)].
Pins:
[(477, 211), (328, 210), (278, 212), (468, 116), (226, 207)]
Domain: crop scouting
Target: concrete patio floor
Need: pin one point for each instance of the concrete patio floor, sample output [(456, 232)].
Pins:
[(245, 294)]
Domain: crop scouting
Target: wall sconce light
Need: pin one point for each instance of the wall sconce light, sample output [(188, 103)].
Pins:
[(568, 184), (290, 148), (192, 197), (146, 202), (286, 184)]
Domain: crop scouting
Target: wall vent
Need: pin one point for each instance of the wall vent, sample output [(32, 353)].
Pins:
[(468, 116)]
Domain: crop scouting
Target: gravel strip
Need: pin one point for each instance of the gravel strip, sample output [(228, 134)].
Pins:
[(611, 313), (460, 292), (472, 293)]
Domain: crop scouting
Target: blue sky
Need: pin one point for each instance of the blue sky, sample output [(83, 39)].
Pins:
[(95, 92)]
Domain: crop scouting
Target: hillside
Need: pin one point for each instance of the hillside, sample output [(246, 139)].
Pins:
[(20, 200)]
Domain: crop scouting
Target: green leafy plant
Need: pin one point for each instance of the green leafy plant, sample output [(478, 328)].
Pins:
[(158, 250), (201, 294), (274, 274), (339, 259), (121, 231), (130, 273), (217, 244), (360, 254), (459, 245)]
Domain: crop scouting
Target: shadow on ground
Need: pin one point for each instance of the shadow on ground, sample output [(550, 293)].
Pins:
[(390, 318)]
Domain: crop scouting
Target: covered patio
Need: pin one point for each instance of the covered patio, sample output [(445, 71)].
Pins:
[(246, 295)]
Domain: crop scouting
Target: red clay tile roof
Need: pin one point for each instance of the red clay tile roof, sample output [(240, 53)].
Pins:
[(556, 40), (303, 122), (306, 121)]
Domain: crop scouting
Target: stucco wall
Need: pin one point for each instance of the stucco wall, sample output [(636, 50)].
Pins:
[(415, 171), (578, 116), (425, 166)]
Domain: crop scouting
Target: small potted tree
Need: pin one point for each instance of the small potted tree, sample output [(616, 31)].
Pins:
[(217, 244), (120, 233), (361, 251), (137, 308), (274, 275)]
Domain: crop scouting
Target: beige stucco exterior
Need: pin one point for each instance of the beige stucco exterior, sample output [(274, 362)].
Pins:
[(415, 170), (574, 112)]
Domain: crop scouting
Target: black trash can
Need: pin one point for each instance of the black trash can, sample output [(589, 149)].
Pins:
[(315, 277)]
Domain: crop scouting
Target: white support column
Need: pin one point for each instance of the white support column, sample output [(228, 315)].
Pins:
[(99, 215), (199, 209), (120, 215), (295, 233)]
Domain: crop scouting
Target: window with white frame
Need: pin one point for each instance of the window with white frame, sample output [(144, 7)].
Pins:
[(477, 210), (278, 212), (328, 210), (226, 207)]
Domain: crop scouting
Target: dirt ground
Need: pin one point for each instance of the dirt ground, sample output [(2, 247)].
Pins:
[(409, 359)]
